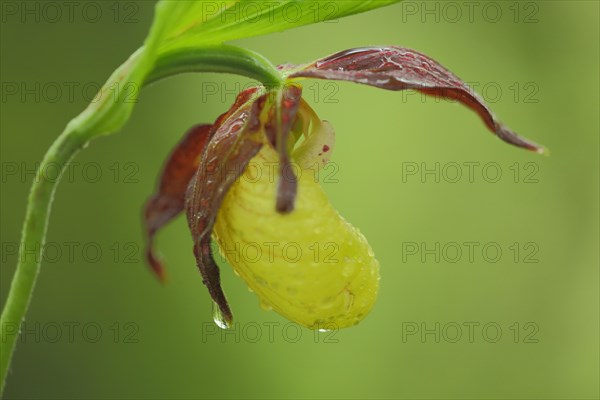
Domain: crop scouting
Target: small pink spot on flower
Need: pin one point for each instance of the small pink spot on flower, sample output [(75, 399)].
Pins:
[(325, 148)]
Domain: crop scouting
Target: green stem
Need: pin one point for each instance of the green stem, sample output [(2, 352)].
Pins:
[(228, 59), (99, 119), (33, 236)]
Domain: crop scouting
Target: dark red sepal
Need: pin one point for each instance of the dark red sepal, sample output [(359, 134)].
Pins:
[(397, 68), (168, 201)]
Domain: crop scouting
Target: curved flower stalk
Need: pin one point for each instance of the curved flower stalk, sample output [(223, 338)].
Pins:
[(220, 175)]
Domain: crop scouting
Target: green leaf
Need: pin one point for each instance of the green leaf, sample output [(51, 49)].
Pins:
[(212, 22)]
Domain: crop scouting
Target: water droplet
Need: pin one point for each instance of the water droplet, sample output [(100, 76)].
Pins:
[(218, 317), (265, 306), (325, 326), (347, 271)]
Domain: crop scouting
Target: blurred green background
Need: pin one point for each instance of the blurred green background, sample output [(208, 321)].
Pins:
[(100, 326)]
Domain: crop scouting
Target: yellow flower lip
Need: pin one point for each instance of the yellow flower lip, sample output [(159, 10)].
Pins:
[(309, 265)]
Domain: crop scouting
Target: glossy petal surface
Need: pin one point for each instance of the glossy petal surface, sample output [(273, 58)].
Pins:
[(235, 141), (398, 68), (169, 199)]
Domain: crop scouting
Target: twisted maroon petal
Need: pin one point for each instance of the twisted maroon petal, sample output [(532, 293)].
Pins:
[(397, 68), (235, 141), (281, 117), (168, 201)]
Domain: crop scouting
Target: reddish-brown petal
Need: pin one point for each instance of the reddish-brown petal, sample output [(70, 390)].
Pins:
[(179, 169), (235, 141), (281, 117), (168, 201), (397, 68)]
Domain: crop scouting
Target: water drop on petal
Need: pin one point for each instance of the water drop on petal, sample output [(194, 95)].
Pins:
[(218, 317), (265, 306)]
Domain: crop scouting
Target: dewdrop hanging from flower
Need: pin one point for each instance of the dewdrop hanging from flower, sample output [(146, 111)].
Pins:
[(275, 126)]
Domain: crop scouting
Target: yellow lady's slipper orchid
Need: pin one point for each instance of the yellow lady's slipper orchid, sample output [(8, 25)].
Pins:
[(310, 265), (248, 182)]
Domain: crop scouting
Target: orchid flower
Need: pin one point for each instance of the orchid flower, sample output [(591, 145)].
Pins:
[(219, 174)]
